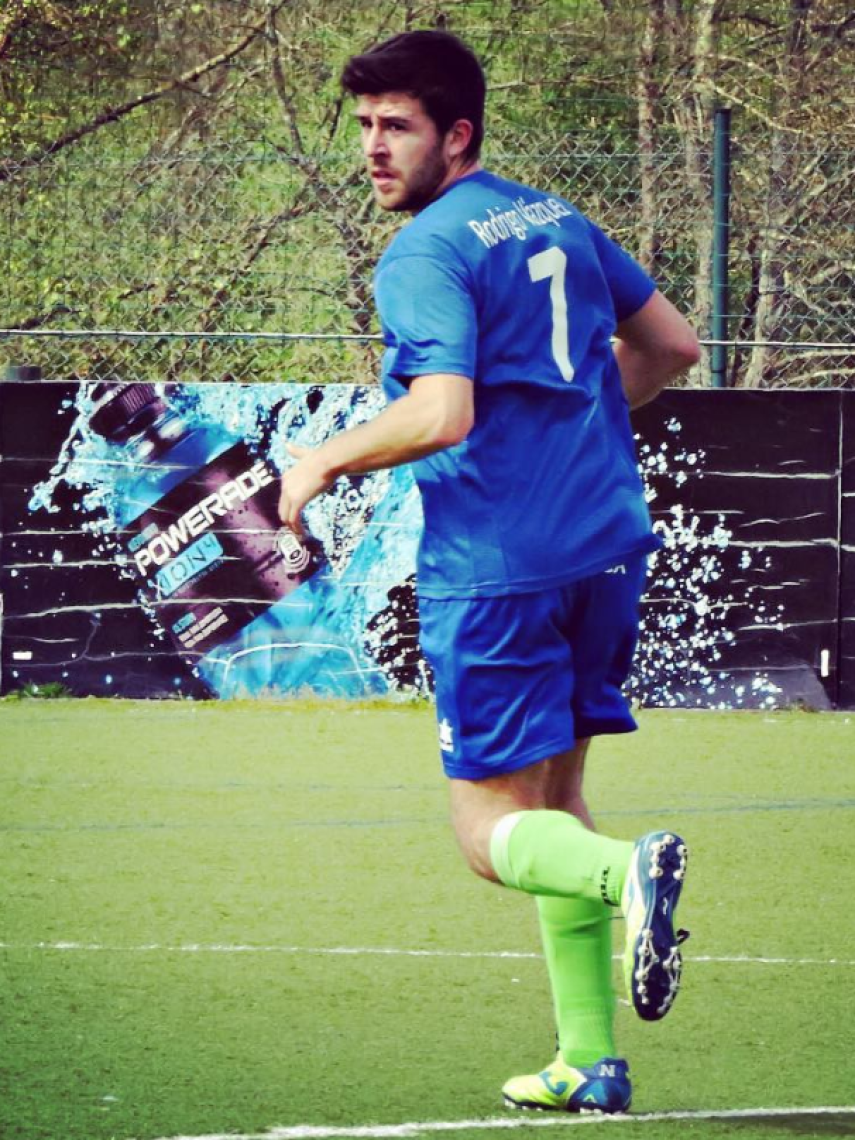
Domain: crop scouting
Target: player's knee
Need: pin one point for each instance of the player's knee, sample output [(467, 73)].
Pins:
[(480, 863), (473, 838)]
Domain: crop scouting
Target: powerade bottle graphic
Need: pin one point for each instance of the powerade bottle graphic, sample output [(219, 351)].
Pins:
[(240, 596)]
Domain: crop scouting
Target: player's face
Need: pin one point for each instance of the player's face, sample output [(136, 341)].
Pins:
[(408, 160)]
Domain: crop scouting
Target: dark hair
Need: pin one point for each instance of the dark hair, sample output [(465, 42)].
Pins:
[(435, 67)]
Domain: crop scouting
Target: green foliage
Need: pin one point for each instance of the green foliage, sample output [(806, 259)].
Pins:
[(50, 691), (234, 201)]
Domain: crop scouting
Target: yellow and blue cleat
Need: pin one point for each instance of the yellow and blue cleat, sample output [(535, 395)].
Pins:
[(603, 1087), (652, 960)]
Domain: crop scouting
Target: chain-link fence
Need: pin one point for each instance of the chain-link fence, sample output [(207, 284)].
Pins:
[(221, 238)]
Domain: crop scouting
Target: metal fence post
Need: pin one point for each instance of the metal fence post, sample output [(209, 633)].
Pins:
[(721, 244)]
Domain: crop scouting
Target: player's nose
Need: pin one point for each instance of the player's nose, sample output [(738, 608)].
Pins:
[(374, 142)]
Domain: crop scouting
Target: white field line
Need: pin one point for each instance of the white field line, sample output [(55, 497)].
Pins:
[(517, 1120), (387, 951)]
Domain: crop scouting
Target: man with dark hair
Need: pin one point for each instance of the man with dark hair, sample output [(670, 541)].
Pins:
[(517, 337), (446, 74)]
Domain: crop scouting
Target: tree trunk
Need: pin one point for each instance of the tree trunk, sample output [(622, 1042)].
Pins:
[(648, 93), (697, 122), (781, 202)]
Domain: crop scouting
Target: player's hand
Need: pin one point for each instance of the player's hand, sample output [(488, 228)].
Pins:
[(301, 483)]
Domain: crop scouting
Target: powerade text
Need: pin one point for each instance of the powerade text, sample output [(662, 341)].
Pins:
[(201, 517)]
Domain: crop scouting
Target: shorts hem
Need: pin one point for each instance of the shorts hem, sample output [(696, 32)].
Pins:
[(586, 729), (604, 727), (513, 764)]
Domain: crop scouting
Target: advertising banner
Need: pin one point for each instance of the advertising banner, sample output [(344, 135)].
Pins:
[(142, 553)]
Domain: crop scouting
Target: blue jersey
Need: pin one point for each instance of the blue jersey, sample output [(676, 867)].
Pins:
[(520, 292)]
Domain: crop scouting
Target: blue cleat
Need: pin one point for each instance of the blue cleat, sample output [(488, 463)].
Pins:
[(652, 960), (604, 1087)]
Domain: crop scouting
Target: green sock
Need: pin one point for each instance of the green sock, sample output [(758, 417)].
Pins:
[(552, 853), (577, 944)]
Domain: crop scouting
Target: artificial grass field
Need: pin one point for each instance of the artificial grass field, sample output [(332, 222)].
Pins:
[(195, 898)]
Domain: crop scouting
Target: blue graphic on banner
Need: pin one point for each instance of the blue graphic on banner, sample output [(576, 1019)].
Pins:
[(153, 466)]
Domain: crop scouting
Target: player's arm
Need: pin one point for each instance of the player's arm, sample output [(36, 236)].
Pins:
[(437, 412), (653, 346)]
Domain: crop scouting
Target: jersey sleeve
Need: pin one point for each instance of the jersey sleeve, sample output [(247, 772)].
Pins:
[(428, 316), (628, 284)]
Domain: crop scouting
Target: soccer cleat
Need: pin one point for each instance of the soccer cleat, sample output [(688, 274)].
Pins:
[(652, 961), (604, 1087)]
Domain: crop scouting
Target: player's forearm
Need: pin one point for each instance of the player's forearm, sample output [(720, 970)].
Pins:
[(432, 416), (653, 347), (437, 412), (643, 377), (390, 440)]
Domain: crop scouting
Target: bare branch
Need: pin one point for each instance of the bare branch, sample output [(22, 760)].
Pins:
[(10, 168), (286, 102), (754, 112), (14, 19), (40, 319), (839, 28), (647, 95)]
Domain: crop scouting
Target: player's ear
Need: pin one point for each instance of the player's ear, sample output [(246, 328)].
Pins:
[(458, 138)]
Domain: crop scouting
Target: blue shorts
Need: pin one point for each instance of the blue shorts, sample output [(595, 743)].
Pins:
[(522, 677)]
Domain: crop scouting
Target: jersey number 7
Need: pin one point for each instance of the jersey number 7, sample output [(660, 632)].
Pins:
[(551, 264)]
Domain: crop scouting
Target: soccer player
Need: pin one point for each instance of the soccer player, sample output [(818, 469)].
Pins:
[(499, 304)]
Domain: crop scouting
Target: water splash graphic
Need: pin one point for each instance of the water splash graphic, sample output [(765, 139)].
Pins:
[(684, 628), (314, 638), (352, 630)]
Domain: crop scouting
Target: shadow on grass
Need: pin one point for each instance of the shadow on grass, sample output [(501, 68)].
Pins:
[(801, 1123)]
